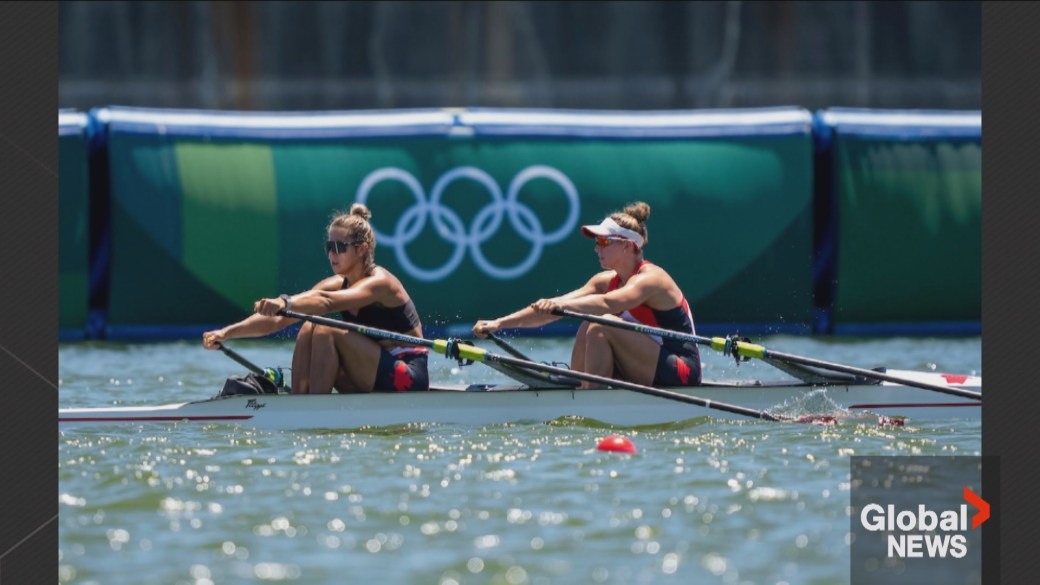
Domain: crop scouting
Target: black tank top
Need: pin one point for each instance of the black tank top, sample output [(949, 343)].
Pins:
[(398, 319)]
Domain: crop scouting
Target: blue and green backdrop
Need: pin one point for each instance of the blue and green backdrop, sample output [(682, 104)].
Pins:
[(905, 221), (477, 210), (73, 220)]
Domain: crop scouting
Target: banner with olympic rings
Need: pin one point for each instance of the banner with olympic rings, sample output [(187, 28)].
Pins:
[(475, 220)]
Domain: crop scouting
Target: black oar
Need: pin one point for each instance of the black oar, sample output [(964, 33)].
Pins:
[(541, 380), (751, 350), (457, 350), (507, 347), (269, 373), (241, 360)]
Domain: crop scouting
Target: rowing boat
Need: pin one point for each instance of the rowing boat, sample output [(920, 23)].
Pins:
[(486, 404), (546, 392)]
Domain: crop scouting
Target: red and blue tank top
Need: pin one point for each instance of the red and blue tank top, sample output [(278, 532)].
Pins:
[(679, 318)]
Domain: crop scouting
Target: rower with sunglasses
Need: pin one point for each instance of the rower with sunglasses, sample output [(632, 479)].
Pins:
[(629, 288), (366, 294)]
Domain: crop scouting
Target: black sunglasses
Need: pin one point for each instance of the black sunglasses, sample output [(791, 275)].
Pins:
[(340, 247)]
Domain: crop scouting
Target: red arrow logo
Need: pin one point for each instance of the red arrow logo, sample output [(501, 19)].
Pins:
[(981, 505)]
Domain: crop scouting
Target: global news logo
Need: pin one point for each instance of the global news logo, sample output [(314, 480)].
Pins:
[(923, 532)]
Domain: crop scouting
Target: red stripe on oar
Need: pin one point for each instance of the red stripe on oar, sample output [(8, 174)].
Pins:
[(921, 405), (153, 418), (833, 420), (818, 419)]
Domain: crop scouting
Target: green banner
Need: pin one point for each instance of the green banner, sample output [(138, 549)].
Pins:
[(74, 239), (475, 227), (910, 230)]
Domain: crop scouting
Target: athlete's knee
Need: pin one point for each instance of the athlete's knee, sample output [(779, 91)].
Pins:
[(305, 330), (321, 330), (595, 330), (582, 330), (328, 335)]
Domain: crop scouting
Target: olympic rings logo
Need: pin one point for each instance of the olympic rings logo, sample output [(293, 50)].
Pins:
[(485, 224)]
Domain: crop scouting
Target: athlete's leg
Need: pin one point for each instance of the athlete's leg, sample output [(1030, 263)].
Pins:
[(352, 363), (578, 351), (633, 354), (301, 360)]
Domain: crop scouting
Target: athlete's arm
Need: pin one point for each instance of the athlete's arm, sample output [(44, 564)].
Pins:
[(261, 324), (642, 288), (532, 316)]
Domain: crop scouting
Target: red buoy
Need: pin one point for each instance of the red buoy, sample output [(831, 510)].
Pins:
[(617, 443)]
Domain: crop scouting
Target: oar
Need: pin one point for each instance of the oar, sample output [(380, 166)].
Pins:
[(543, 381), (241, 360), (269, 373), (507, 347), (456, 350), (751, 350)]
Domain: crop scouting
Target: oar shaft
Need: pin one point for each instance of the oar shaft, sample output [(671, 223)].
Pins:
[(611, 382), (634, 327), (752, 350), (507, 347), (241, 360), (873, 374), (465, 351), (370, 331)]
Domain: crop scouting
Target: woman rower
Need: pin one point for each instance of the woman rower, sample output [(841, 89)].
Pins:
[(629, 288), (367, 294)]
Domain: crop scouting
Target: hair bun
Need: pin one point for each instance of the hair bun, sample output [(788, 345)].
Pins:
[(361, 210), (638, 210)]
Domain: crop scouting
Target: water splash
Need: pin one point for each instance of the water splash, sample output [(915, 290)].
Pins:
[(817, 407), (815, 403)]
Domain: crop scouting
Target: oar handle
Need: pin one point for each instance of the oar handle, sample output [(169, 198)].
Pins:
[(752, 350)]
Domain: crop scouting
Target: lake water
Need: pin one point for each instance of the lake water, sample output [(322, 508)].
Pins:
[(706, 501)]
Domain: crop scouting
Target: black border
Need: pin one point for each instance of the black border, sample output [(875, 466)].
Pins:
[(1011, 275), (29, 297)]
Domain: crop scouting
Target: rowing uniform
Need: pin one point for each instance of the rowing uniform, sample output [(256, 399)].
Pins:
[(679, 362), (401, 368)]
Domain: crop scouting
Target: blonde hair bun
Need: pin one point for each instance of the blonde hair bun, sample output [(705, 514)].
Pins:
[(639, 210), (360, 209)]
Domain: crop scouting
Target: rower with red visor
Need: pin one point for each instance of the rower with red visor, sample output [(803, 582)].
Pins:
[(629, 288)]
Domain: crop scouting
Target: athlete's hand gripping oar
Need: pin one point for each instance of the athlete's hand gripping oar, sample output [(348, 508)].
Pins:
[(269, 373), (460, 350), (751, 350)]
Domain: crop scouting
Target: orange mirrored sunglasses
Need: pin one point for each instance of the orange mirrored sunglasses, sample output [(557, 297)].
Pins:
[(603, 242)]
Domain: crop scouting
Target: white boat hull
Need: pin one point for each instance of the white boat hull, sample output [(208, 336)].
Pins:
[(484, 405)]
